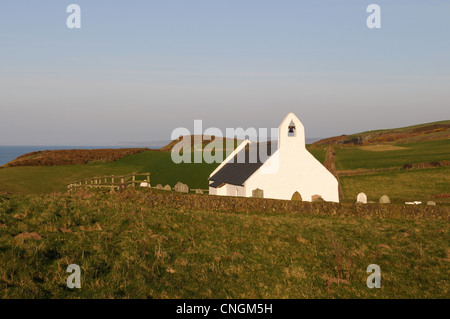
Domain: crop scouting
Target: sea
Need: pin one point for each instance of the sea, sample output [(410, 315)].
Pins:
[(8, 153)]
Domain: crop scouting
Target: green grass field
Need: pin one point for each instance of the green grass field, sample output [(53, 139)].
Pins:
[(319, 154), (128, 249), (46, 179), (355, 157)]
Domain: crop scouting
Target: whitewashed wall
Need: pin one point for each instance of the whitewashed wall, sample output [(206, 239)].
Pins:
[(212, 190), (228, 190), (297, 170), (306, 176)]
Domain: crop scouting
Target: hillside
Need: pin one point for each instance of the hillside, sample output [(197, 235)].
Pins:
[(206, 139), (72, 157), (434, 131)]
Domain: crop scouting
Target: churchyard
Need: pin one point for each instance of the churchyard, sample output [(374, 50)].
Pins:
[(400, 185)]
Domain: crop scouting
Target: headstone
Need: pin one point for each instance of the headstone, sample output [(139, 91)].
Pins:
[(384, 200), (167, 188), (413, 203), (431, 203), (297, 196), (199, 191), (182, 188), (159, 186), (361, 198), (258, 193), (317, 198)]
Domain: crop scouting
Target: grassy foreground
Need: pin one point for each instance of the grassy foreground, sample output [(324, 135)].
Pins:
[(128, 247)]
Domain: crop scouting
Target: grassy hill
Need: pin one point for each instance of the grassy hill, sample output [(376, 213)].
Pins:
[(411, 134), (72, 157), (145, 245)]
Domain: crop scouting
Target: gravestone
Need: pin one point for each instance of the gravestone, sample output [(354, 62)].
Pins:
[(182, 188), (384, 200), (167, 188), (361, 198), (297, 196), (159, 186), (317, 198), (199, 191), (431, 203), (258, 193)]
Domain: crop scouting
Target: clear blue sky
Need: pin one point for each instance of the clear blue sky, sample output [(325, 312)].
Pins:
[(138, 69)]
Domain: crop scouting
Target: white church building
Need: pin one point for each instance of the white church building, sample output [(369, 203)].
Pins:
[(288, 170)]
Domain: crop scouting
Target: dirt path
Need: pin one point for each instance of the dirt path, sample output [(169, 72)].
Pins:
[(330, 164)]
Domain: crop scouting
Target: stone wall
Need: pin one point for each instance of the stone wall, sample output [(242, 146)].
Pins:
[(180, 201)]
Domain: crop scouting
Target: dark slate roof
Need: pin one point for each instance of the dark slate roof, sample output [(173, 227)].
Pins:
[(236, 173)]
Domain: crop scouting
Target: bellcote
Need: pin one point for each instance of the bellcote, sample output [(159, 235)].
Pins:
[(291, 133)]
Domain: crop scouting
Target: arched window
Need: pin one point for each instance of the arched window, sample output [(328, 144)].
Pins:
[(291, 130)]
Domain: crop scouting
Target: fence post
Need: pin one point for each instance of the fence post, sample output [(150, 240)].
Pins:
[(133, 178)]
